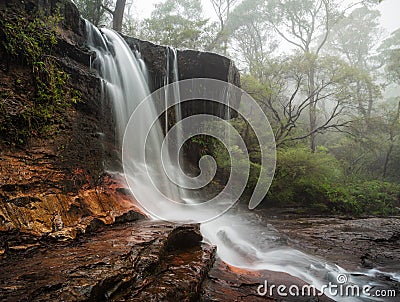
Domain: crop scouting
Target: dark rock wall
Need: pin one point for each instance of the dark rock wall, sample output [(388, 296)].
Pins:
[(191, 64)]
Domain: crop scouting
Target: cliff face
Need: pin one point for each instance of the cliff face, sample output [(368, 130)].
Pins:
[(56, 172), (191, 64)]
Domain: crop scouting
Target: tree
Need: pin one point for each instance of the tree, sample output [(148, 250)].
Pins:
[(117, 14), (244, 12), (177, 23), (254, 43), (390, 55), (283, 94), (95, 11), (302, 23), (252, 37), (306, 24), (222, 9), (393, 131), (362, 23)]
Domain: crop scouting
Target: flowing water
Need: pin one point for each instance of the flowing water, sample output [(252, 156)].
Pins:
[(125, 84), (242, 238)]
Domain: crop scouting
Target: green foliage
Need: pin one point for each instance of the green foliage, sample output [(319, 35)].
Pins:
[(313, 181), (390, 54), (177, 23), (223, 160), (301, 175), (28, 39), (32, 42), (94, 11), (211, 146), (363, 23), (376, 197), (299, 165), (393, 66)]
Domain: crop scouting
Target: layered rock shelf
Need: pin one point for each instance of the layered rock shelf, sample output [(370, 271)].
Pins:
[(130, 262), (136, 261)]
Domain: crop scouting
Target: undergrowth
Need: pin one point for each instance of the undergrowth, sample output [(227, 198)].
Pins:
[(32, 42)]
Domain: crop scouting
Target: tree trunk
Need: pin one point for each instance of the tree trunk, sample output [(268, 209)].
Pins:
[(118, 15), (391, 139), (387, 159), (312, 109), (97, 14), (370, 103)]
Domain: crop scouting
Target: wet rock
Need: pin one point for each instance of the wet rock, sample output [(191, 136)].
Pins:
[(58, 224), (84, 211), (179, 278), (62, 172), (354, 243), (135, 262), (227, 283), (131, 215), (184, 237), (191, 64)]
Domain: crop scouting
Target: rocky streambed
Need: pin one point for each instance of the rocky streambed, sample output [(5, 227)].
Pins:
[(130, 262), (133, 261), (355, 244)]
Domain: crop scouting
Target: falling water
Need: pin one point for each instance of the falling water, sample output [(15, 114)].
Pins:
[(125, 81), (117, 66), (172, 72), (166, 83), (176, 95), (241, 237)]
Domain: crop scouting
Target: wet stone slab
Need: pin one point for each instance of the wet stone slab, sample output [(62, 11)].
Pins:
[(119, 263)]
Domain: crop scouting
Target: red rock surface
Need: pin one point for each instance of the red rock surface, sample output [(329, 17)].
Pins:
[(228, 283), (146, 261), (36, 213)]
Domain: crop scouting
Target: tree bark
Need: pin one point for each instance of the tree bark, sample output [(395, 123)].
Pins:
[(118, 15), (97, 14), (312, 109), (391, 139), (387, 159)]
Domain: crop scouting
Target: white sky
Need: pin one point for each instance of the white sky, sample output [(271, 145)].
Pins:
[(390, 10)]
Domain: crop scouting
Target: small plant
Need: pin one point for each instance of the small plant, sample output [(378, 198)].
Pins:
[(32, 43)]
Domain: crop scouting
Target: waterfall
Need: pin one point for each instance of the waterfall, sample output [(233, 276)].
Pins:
[(125, 80), (241, 239), (172, 76), (166, 83)]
